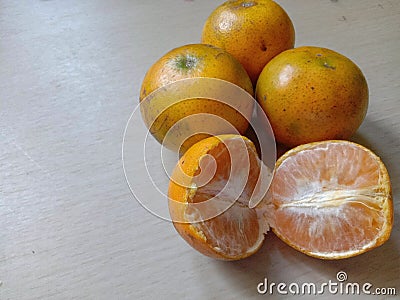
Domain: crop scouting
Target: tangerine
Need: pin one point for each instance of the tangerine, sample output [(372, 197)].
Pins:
[(161, 111), (331, 199), (253, 31), (311, 94)]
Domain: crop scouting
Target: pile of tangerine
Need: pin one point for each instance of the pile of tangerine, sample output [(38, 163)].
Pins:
[(328, 198)]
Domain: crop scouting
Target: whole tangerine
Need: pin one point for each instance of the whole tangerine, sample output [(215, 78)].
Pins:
[(253, 31), (162, 113), (311, 94)]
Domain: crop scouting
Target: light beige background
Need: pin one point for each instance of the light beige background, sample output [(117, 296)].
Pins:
[(70, 74)]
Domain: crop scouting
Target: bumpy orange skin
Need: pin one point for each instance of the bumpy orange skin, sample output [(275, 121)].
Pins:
[(178, 194), (191, 61), (189, 164), (253, 31), (311, 94), (194, 60)]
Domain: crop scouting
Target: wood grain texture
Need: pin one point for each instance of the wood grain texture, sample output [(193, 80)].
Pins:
[(69, 81)]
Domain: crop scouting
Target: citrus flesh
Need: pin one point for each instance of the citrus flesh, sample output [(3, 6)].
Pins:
[(331, 199), (209, 197)]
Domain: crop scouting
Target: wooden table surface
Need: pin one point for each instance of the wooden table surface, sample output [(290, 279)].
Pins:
[(70, 74)]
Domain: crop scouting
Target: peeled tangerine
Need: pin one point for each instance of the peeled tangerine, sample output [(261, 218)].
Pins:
[(329, 199)]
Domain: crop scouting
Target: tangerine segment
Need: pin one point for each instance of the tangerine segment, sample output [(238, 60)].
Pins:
[(331, 199), (209, 193)]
